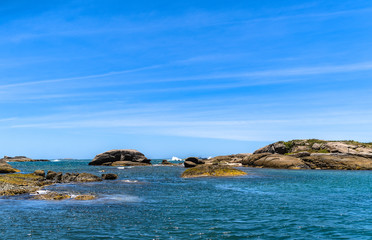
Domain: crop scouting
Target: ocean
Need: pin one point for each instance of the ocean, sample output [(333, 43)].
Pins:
[(156, 203)]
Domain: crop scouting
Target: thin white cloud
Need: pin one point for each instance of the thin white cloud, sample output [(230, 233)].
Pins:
[(300, 71), (21, 84)]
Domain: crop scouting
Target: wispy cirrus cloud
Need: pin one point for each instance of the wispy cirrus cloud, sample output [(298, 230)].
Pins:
[(288, 72)]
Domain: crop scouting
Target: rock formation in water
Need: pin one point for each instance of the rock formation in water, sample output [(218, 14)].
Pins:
[(304, 154), (313, 154), (232, 160), (21, 159), (192, 162), (109, 176), (212, 171), (13, 184), (6, 167), (122, 157)]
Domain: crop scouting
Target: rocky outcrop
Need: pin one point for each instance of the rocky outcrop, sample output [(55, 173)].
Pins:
[(233, 160), (212, 171), (55, 196), (339, 161), (14, 184), (123, 157), (22, 159), (192, 162), (313, 154), (268, 160), (317, 146), (58, 177), (7, 168)]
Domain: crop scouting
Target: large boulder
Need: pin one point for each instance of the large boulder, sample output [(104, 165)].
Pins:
[(274, 161), (339, 161), (192, 162), (278, 147), (127, 157)]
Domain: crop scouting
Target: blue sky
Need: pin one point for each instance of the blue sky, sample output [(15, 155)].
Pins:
[(181, 78)]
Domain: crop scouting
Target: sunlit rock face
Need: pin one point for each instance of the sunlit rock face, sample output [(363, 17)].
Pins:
[(121, 157)]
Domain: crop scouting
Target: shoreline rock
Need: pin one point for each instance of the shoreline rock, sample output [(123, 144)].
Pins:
[(121, 157)]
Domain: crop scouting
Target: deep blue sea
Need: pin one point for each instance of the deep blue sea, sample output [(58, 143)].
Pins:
[(155, 203)]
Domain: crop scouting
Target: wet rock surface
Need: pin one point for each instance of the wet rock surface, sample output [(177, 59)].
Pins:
[(15, 184)]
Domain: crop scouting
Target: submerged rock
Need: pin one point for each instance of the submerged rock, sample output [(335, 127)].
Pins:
[(212, 171), (55, 196), (85, 197), (52, 196), (109, 176), (125, 157)]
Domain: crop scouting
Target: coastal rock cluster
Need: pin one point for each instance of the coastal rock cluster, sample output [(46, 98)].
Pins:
[(14, 184), (121, 157), (312, 154)]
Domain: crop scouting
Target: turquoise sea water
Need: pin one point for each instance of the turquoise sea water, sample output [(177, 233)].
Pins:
[(155, 203)]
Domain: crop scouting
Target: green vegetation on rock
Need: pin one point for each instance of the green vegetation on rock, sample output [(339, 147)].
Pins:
[(212, 171)]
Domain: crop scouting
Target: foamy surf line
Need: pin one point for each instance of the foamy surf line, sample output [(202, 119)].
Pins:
[(121, 198)]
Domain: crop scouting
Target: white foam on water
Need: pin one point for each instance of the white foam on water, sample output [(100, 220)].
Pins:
[(122, 198), (40, 192), (242, 189), (125, 167), (56, 160), (130, 181)]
